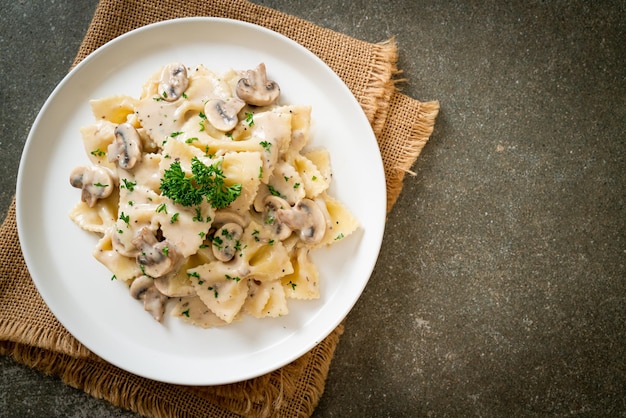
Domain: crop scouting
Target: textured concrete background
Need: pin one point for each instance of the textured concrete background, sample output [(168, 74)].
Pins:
[(501, 286)]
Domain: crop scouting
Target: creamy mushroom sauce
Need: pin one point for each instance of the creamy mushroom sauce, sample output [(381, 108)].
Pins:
[(207, 265)]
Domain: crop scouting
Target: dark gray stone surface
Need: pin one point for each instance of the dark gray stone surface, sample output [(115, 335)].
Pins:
[(501, 286)]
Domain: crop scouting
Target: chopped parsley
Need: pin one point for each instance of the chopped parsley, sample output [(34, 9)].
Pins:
[(125, 218), (217, 242), (97, 152), (273, 191), (229, 277), (201, 123), (174, 218), (250, 118), (205, 182), (98, 184), (130, 185), (186, 313), (266, 145), (161, 208)]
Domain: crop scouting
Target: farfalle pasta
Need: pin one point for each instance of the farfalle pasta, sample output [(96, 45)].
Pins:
[(206, 197)]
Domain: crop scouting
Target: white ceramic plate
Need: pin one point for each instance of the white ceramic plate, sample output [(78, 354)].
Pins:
[(99, 312)]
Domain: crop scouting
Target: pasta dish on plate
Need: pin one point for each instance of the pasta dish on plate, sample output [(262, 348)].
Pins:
[(207, 196)]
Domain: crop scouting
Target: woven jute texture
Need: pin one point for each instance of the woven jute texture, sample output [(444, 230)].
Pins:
[(30, 333)]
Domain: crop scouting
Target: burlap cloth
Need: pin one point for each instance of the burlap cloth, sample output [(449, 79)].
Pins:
[(30, 333)]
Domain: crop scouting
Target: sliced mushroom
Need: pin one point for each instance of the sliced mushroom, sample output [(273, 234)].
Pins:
[(226, 241), (174, 82), (157, 258), (154, 302), (307, 217), (222, 114), (143, 288), (127, 249), (224, 216), (96, 183), (273, 205), (140, 285), (127, 146), (255, 89)]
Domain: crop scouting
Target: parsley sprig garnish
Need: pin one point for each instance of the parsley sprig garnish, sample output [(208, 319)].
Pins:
[(205, 181)]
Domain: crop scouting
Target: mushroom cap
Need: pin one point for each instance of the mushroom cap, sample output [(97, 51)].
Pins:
[(96, 182), (140, 285), (307, 217), (255, 89), (228, 235), (274, 204), (154, 302), (224, 216), (222, 114), (174, 82), (127, 146), (157, 258)]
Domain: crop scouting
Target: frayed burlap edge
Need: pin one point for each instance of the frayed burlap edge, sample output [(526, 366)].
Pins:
[(149, 398), (405, 153), (14, 326)]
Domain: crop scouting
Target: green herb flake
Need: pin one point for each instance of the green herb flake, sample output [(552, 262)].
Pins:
[(129, 185), (267, 146), (125, 218), (273, 191), (97, 152), (250, 118), (186, 313), (217, 242)]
